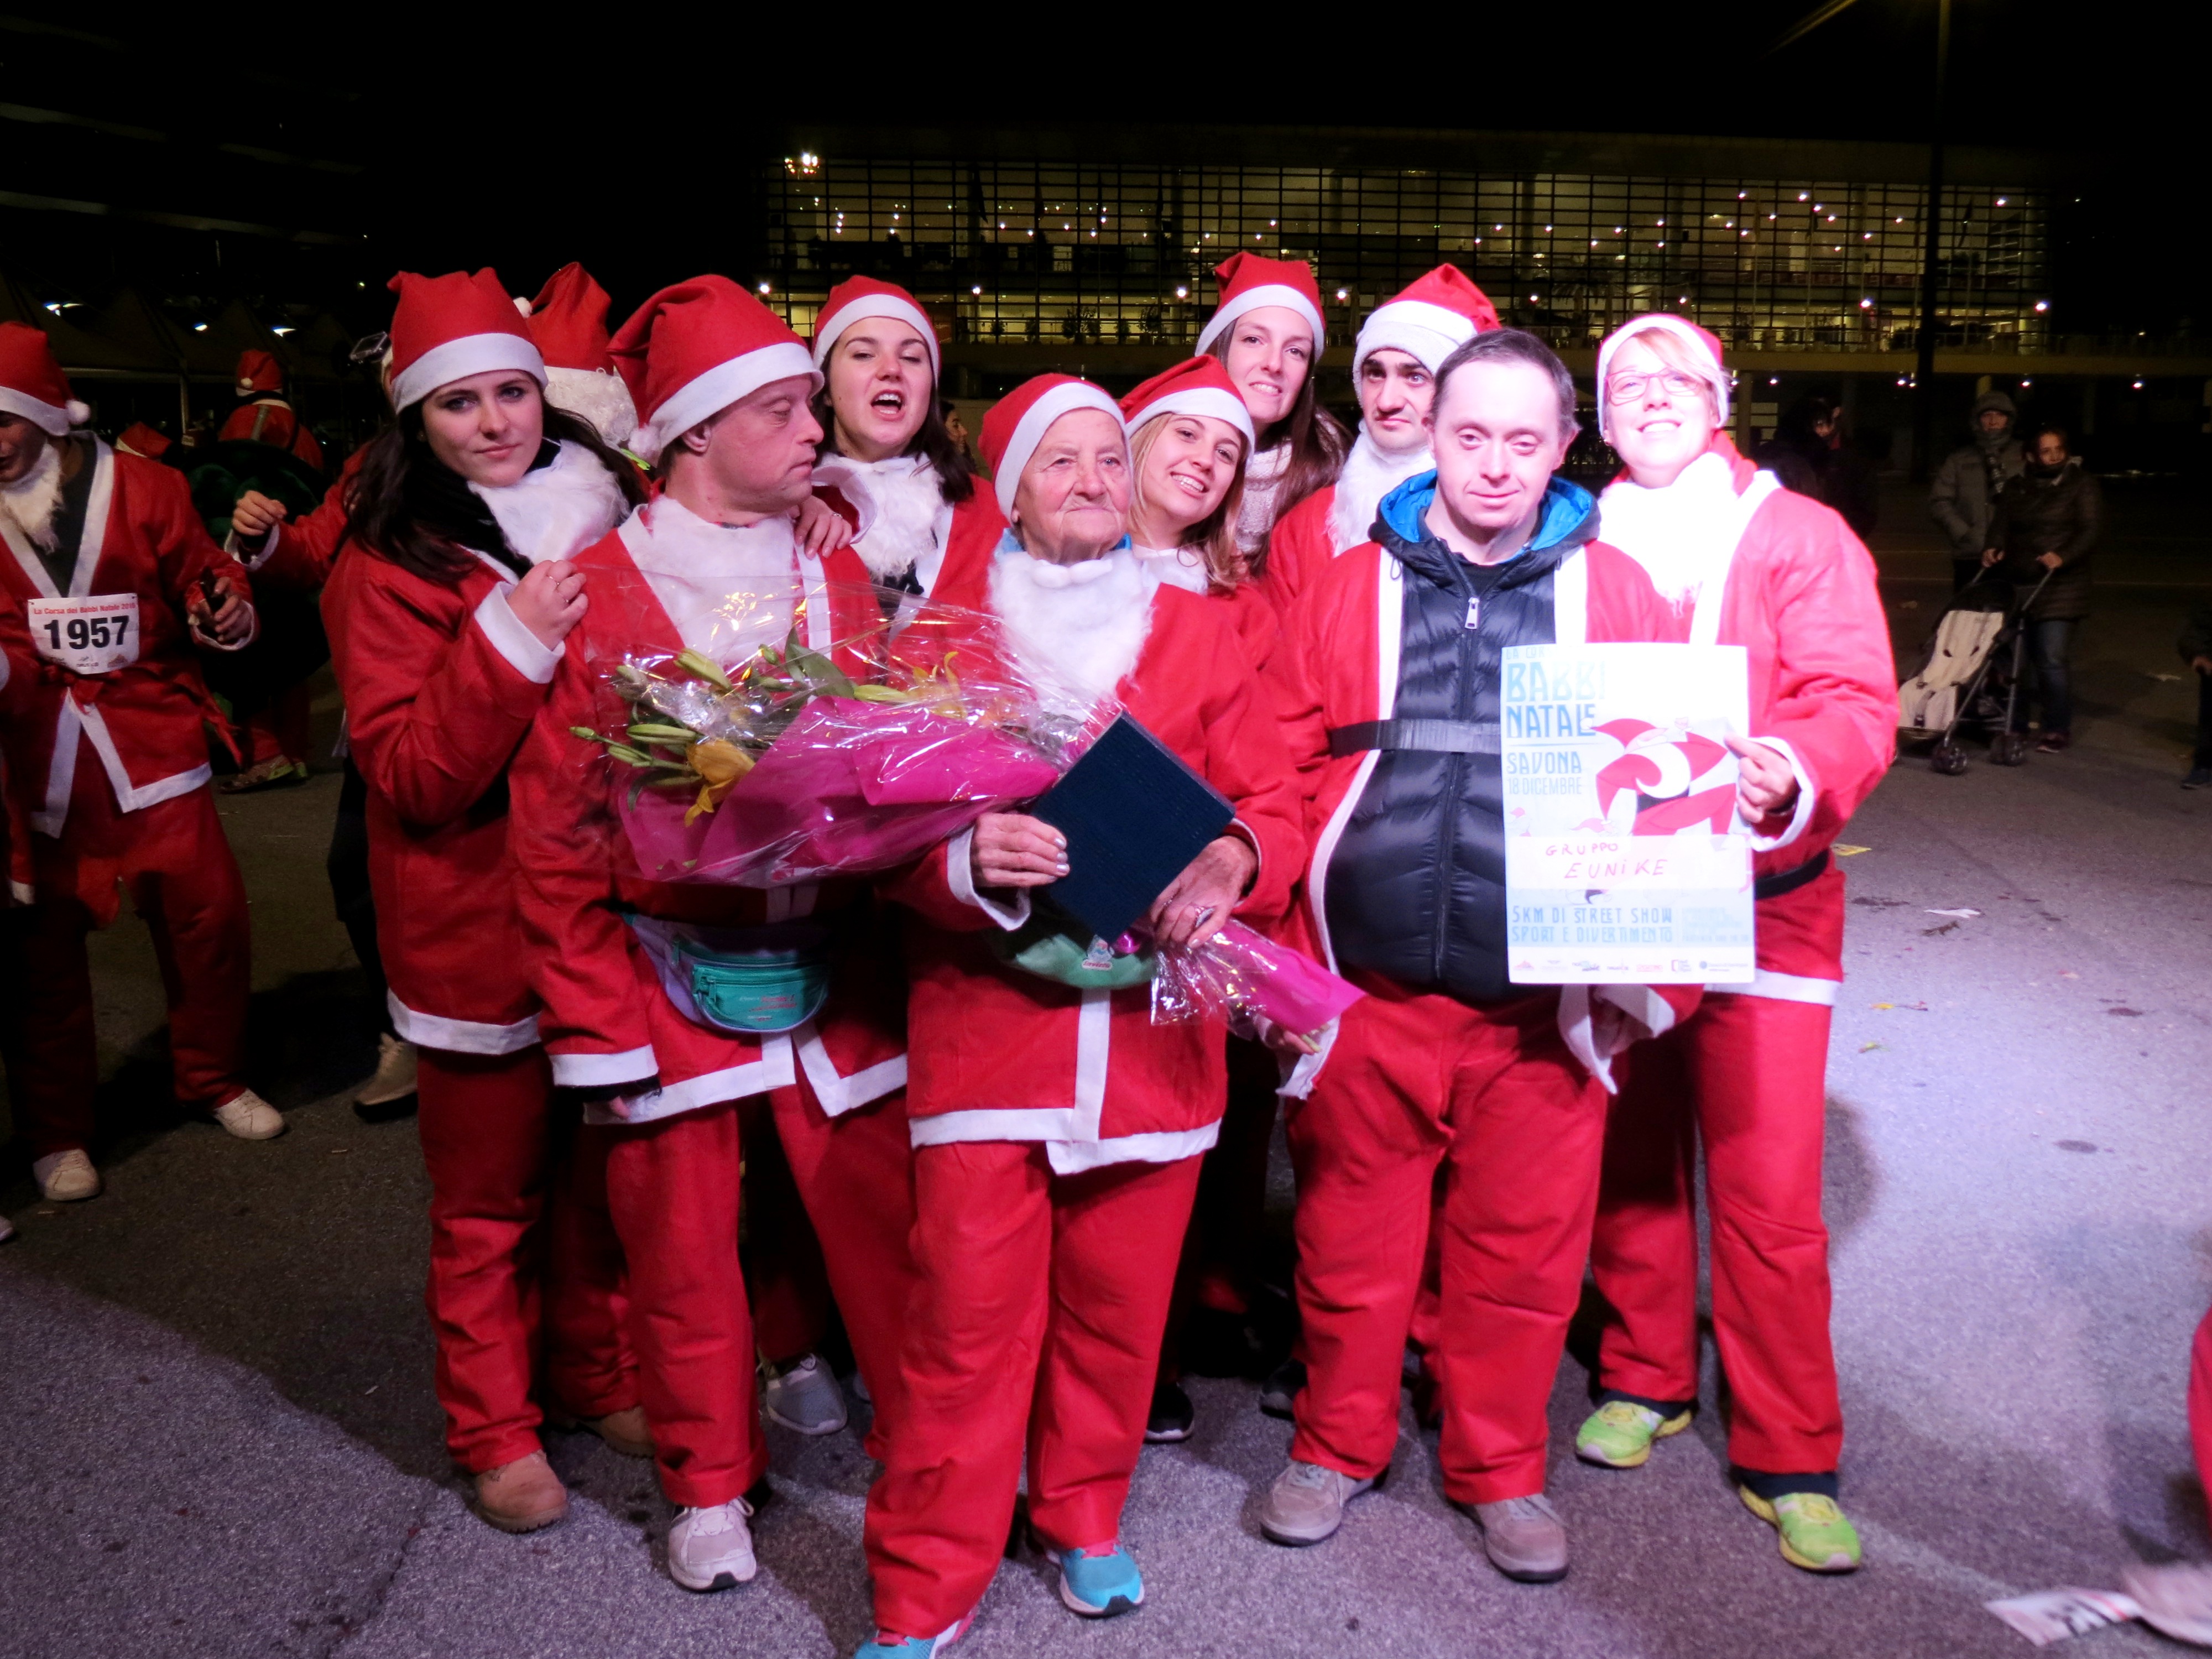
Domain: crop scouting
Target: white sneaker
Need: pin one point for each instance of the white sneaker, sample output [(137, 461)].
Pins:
[(250, 1117), (395, 1073), (65, 1177), (711, 1549), (804, 1396)]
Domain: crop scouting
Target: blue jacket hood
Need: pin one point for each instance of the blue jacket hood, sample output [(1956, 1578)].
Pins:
[(1570, 515)]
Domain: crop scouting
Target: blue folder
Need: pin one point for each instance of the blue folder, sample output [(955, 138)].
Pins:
[(1135, 816)]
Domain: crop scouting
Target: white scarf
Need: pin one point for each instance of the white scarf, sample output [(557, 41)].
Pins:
[(34, 500), (1176, 567), (1671, 532), (1076, 630), (556, 512), (1369, 475), (905, 520), (729, 589), (1263, 480)]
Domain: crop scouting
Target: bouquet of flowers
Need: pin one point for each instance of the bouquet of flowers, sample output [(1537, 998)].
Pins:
[(764, 764), (1250, 982)]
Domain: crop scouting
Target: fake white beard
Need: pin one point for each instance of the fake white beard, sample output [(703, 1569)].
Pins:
[(1671, 532), (1369, 475), (557, 510), (1075, 628), (729, 590), (602, 399), (1263, 477), (32, 503), (904, 516)]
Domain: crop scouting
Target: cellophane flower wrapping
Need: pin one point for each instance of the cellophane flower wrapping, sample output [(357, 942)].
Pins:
[(762, 761), (1249, 981)]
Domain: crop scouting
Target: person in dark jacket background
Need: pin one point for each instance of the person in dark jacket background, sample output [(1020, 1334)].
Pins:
[(2049, 520), (1810, 454), (1965, 492), (2195, 643)]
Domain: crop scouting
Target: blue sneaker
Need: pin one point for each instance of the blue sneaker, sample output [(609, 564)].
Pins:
[(1100, 1582), (888, 1644)]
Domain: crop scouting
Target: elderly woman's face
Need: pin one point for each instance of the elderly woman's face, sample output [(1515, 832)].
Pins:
[(1660, 420), (1072, 502)]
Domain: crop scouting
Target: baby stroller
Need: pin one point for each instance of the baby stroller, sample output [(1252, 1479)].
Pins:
[(1972, 673)]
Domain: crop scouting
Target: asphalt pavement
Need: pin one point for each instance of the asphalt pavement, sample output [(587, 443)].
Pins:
[(221, 1437)]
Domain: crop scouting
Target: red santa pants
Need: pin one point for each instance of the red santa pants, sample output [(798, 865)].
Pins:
[(2200, 1402), (787, 1284), (178, 867), (486, 1142), (1748, 1075), (646, 1265), (1493, 1095), (1036, 1325)]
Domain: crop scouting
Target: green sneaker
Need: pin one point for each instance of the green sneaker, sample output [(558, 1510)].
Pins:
[(1815, 1533), (1619, 1434)]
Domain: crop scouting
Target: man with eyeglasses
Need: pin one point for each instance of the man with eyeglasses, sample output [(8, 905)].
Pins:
[(1390, 696)]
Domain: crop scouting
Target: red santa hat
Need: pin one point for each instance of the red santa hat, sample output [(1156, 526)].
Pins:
[(1705, 354), (1014, 426), (857, 297), (32, 384), (141, 439), (695, 348), (1200, 387), (1249, 280), (447, 328), (258, 371), (567, 321), (1428, 321)]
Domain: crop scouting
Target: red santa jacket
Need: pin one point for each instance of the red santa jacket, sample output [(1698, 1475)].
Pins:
[(998, 1053), (1299, 549), (440, 683), (272, 422), (607, 1019), (112, 657), (1785, 578), (1340, 667), (973, 530)]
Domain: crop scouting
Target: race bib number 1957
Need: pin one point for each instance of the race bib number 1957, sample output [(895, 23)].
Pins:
[(93, 636)]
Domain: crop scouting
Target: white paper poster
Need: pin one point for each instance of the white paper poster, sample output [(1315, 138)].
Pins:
[(1624, 861)]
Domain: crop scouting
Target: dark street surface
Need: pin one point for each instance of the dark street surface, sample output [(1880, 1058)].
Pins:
[(222, 1439)]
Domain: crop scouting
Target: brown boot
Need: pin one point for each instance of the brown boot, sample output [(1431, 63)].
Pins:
[(522, 1496), (625, 1431)]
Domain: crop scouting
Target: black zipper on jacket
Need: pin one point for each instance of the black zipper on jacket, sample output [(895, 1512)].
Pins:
[(1455, 777)]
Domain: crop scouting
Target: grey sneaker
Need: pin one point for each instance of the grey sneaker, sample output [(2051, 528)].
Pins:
[(1524, 1538), (1306, 1504), (804, 1396)]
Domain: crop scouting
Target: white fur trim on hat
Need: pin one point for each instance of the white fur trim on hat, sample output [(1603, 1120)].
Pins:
[(1268, 294), (705, 396), (456, 360), (1427, 333), (1665, 323), (875, 305), (1029, 430), (1207, 400), (53, 419)]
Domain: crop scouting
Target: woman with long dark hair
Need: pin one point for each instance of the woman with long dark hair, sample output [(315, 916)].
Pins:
[(887, 462), (1268, 332), (446, 609)]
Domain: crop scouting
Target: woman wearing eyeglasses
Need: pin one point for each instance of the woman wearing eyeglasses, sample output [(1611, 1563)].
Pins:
[(1744, 562)]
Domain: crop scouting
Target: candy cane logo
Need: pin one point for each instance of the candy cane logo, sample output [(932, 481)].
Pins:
[(1670, 776)]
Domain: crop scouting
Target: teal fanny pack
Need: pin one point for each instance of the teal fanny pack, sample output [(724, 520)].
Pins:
[(758, 980)]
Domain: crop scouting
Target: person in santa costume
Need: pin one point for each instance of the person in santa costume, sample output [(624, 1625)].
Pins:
[(888, 464), (1056, 1129), (264, 415), (567, 323), (1391, 705), (713, 564), (1743, 562), (1394, 368), (112, 584), (1267, 332), (447, 613)]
